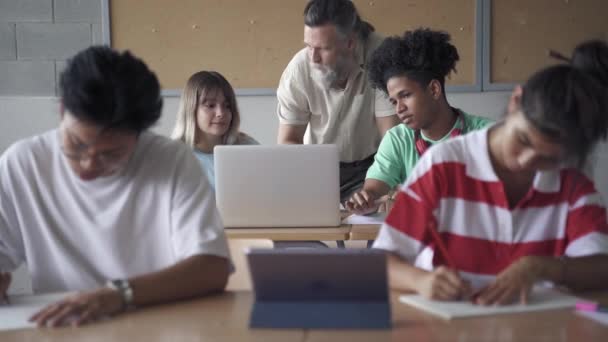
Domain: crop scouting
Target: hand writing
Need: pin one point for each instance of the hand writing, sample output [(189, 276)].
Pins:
[(444, 284)]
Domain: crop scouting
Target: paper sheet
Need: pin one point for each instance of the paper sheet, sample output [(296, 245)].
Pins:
[(377, 218), (542, 298), (15, 315), (600, 317)]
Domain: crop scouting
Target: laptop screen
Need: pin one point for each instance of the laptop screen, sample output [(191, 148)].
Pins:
[(318, 274), (278, 186)]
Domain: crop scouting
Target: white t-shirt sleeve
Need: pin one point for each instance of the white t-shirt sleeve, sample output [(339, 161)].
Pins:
[(196, 226), (292, 107), (383, 107), (405, 229)]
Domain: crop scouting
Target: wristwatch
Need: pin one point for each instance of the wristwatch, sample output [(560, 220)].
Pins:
[(122, 286)]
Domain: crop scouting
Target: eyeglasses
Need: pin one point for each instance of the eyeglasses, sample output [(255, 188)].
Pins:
[(78, 152)]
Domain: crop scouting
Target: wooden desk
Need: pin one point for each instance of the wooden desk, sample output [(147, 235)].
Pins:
[(225, 318), (219, 318), (410, 324), (340, 233), (364, 232)]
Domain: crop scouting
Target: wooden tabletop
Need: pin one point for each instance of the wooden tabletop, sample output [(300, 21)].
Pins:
[(363, 232), (225, 318), (344, 232), (340, 233)]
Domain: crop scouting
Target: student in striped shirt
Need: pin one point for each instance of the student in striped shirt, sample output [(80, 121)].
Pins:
[(505, 206), (411, 70)]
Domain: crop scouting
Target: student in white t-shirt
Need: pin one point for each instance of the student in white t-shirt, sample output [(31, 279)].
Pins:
[(103, 207), (208, 116)]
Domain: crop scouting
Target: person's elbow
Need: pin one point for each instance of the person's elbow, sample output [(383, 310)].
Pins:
[(222, 274), (216, 271)]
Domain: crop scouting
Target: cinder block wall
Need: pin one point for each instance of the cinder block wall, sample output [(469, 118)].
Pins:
[(36, 38)]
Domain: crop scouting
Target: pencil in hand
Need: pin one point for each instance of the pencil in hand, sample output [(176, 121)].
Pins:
[(443, 251)]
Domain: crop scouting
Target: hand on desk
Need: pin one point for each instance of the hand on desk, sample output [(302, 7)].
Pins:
[(5, 282), (80, 308), (362, 203), (444, 284), (511, 285)]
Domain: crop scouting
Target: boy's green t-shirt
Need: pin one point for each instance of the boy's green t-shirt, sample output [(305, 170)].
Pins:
[(397, 154)]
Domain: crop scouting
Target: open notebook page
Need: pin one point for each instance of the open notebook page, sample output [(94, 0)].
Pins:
[(15, 315), (541, 298)]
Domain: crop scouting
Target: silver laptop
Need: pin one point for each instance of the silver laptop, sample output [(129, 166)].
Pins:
[(278, 186)]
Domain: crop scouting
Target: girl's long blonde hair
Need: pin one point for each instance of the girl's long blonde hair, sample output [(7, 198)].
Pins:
[(197, 87)]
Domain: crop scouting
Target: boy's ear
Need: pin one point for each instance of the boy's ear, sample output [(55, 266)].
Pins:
[(435, 89), (515, 100), (351, 44)]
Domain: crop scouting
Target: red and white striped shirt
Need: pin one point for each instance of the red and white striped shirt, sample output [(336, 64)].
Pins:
[(454, 188)]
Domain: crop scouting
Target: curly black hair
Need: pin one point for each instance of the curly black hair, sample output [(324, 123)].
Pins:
[(422, 55), (110, 89)]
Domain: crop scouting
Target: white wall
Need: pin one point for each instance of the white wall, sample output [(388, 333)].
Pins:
[(258, 117), (25, 116)]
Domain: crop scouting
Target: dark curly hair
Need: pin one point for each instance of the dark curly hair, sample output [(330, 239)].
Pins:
[(422, 55), (110, 89)]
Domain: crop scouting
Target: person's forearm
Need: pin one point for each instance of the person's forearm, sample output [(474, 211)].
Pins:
[(376, 188), (578, 273), (291, 134), (402, 275), (288, 141), (191, 277)]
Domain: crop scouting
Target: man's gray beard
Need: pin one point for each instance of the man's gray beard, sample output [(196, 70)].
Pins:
[(323, 76)]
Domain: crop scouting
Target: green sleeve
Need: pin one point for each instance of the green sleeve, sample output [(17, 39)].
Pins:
[(478, 122), (388, 165)]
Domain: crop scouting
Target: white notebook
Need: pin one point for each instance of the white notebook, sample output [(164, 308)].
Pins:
[(541, 298), (376, 218), (16, 314), (600, 317)]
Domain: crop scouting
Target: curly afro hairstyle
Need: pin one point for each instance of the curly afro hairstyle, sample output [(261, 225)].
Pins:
[(422, 55), (111, 89)]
